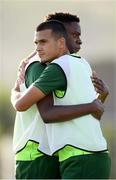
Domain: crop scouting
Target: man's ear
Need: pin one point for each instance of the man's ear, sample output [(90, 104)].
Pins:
[(61, 43)]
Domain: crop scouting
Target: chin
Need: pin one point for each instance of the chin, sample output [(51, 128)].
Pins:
[(43, 60)]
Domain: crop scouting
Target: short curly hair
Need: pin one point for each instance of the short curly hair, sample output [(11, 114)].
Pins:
[(62, 17)]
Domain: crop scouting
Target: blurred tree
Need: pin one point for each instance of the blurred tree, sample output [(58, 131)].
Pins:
[(6, 112)]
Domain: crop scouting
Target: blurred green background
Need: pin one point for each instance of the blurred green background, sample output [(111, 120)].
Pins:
[(18, 20)]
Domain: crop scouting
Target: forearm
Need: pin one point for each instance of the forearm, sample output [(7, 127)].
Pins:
[(23, 101), (65, 113), (15, 95)]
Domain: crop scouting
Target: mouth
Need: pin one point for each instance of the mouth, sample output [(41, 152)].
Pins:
[(78, 47), (40, 54)]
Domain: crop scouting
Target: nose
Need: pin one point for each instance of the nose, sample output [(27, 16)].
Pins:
[(38, 48), (79, 41)]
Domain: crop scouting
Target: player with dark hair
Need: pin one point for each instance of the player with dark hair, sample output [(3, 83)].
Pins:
[(71, 23), (74, 141), (63, 17)]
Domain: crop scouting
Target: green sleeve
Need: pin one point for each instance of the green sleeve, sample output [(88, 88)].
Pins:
[(53, 78), (33, 72)]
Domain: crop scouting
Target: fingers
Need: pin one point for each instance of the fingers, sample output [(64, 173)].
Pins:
[(21, 71), (94, 73), (21, 68), (32, 55), (23, 63), (17, 84), (20, 77), (97, 81), (98, 84)]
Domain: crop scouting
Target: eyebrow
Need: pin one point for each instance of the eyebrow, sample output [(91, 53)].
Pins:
[(40, 41)]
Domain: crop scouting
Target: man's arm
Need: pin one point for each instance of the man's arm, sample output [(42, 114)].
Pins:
[(23, 101), (99, 85), (32, 95), (51, 113)]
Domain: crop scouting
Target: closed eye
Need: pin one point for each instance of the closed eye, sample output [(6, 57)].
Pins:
[(42, 41)]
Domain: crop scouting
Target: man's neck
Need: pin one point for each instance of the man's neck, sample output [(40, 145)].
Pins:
[(66, 51)]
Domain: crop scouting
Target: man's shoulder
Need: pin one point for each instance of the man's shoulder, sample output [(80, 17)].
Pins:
[(33, 72), (66, 59), (35, 65), (62, 59)]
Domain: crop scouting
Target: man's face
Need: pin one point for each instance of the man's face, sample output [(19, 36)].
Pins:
[(74, 33), (47, 46)]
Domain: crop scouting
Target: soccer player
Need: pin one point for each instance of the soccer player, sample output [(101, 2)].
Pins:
[(31, 163), (85, 145)]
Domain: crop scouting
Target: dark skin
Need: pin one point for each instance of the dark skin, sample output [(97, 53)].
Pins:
[(51, 113), (100, 87)]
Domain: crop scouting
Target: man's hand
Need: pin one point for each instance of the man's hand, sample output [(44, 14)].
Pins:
[(100, 87), (15, 92), (21, 71), (22, 65), (99, 109)]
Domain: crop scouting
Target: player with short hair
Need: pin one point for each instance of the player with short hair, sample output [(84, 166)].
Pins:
[(71, 149)]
